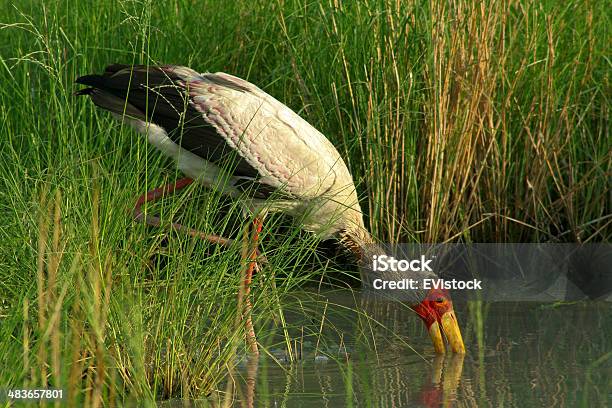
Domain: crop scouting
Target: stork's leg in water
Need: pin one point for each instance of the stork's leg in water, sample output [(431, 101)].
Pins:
[(249, 255), (155, 221)]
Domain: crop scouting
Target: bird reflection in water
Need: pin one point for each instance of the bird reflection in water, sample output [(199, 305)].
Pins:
[(440, 390)]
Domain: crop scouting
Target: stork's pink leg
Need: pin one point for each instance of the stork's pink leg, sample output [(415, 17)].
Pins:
[(250, 253), (155, 221)]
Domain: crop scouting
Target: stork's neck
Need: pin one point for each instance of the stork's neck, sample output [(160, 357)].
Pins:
[(359, 242)]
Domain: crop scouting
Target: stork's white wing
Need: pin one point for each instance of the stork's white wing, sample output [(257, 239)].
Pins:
[(287, 151)]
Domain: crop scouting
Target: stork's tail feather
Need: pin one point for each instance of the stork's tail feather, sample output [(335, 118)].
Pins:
[(118, 76), (125, 88), (105, 97), (99, 81), (93, 81)]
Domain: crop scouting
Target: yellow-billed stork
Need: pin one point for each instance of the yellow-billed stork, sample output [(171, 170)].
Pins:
[(228, 134)]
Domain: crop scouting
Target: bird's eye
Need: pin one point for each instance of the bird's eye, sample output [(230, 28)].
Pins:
[(440, 300)]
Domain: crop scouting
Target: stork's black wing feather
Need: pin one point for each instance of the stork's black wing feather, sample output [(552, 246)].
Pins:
[(158, 95)]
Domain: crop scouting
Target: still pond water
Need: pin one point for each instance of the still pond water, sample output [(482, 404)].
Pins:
[(349, 351)]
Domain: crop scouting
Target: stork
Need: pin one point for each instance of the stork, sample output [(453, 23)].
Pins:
[(228, 134)]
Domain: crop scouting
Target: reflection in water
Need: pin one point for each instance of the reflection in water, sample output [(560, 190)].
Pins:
[(441, 389), (363, 353)]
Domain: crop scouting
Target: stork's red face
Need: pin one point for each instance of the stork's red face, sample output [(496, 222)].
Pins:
[(437, 312)]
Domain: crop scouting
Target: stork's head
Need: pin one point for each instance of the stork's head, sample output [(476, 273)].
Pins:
[(436, 308), (437, 313)]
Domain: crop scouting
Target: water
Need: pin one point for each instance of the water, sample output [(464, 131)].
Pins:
[(518, 355)]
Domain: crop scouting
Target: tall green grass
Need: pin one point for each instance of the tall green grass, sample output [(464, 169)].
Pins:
[(475, 121)]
